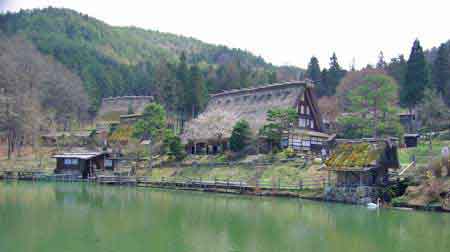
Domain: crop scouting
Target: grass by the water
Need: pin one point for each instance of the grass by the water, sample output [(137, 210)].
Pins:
[(424, 154)]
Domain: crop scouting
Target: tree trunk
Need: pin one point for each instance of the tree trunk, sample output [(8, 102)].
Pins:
[(150, 163)]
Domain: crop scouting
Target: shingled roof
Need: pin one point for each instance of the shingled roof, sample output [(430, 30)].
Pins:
[(363, 156), (251, 104)]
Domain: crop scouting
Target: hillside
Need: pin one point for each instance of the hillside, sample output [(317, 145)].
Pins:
[(115, 61)]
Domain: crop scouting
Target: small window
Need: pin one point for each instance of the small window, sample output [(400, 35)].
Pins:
[(108, 163), (312, 124), (307, 110), (302, 123), (70, 161), (302, 109)]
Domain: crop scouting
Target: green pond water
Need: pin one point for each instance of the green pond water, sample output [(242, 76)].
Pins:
[(85, 217)]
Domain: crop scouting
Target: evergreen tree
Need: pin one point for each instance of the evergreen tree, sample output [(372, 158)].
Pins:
[(313, 72), (322, 88), (182, 74), (416, 77), (334, 75), (381, 64), (373, 103), (240, 136), (433, 113), (196, 93), (397, 69), (172, 145), (441, 72)]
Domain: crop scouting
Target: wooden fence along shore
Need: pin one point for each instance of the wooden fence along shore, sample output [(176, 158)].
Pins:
[(215, 185)]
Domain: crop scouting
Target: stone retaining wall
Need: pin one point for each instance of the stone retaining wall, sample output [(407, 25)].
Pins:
[(354, 195)]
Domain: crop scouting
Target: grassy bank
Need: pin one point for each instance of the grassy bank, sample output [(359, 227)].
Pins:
[(288, 173)]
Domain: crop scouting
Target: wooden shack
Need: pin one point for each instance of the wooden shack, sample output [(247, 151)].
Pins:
[(411, 140), (362, 163), (82, 164)]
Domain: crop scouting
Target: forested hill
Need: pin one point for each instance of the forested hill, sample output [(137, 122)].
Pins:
[(115, 61)]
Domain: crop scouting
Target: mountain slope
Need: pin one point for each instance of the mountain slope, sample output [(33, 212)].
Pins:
[(115, 61)]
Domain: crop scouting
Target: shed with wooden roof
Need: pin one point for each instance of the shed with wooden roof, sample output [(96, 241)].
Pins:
[(84, 164), (362, 163)]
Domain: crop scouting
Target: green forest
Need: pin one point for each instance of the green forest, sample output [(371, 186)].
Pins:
[(114, 61)]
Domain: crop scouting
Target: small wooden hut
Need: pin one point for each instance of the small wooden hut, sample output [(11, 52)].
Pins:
[(411, 140), (361, 163), (82, 164)]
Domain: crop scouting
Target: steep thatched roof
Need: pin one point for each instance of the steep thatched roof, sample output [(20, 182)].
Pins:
[(251, 104), (363, 156)]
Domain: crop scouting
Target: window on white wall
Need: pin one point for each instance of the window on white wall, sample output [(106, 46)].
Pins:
[(302, 123)]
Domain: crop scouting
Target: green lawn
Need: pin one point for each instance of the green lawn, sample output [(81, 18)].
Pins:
[(422, 152), (286, 173)]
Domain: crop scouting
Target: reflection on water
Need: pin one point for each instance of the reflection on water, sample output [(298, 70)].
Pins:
[(86, 217)]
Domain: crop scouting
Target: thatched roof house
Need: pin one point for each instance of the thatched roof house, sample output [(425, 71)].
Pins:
[(213, 126), (361, 163)]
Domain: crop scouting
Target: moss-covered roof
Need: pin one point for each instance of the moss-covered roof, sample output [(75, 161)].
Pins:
[(362, 156)]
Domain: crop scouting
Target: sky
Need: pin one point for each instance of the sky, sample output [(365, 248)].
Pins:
[(284, 32)]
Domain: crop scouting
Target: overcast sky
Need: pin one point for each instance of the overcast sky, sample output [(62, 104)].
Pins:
[(281, 31)]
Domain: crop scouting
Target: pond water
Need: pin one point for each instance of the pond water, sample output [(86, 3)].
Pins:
[(85, 217)]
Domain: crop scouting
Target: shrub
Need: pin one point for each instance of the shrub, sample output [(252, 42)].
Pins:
[(240, 136), (288, 153)]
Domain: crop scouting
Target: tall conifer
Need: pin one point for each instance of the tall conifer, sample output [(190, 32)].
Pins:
[(441, 72), (334, 76), (313, 72), (416, 77)]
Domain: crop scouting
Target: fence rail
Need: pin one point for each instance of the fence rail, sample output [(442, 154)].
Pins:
[(185, 182)]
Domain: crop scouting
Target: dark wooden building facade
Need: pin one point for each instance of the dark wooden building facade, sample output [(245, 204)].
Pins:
[(82, 164)]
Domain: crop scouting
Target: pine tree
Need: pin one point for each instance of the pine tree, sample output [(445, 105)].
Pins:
[(313, 72), (322, 88), (197, 92), (397, 69), (416, 77), (334, 76), (240, 136), (381, 64), (441, 72), (182, 74)]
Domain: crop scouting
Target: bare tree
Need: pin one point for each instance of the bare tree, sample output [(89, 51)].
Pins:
[(34, 88)]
